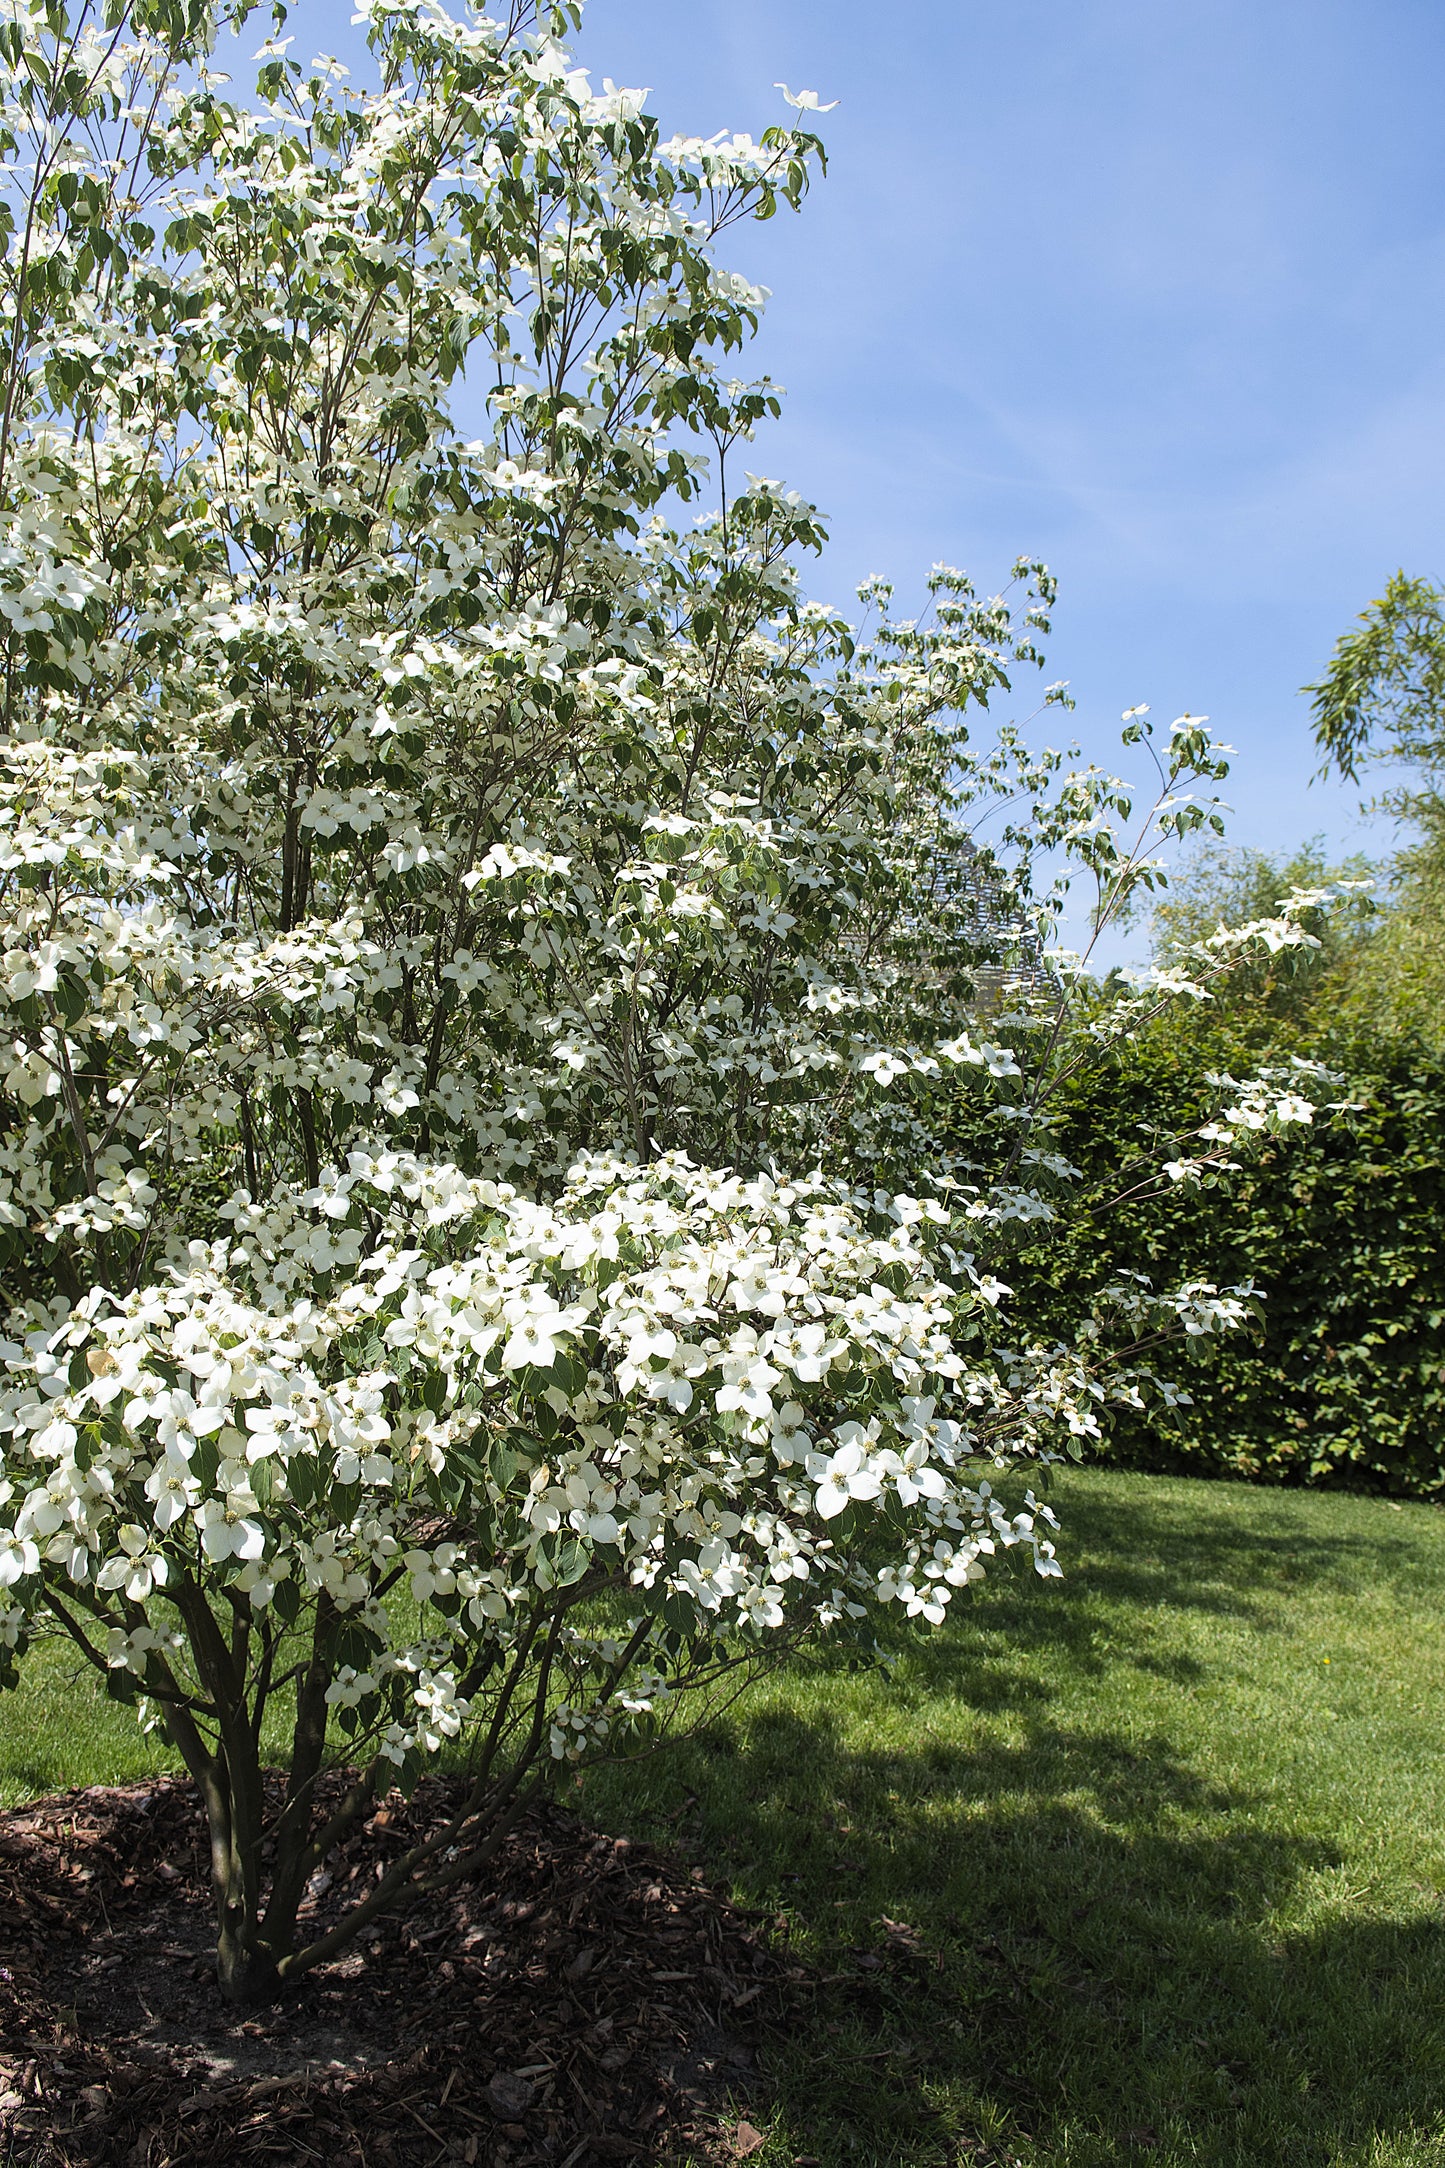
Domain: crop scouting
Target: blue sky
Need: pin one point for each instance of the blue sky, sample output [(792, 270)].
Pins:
[(1154, 292)]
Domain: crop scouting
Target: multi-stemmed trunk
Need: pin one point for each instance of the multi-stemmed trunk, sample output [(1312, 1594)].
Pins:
[(262, 1863), (258, 1949), (270, 1835)]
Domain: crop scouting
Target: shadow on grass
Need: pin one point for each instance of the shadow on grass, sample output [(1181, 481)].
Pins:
[(1233, 1548), (1220, 1550), (1095, 1971), (1046, 1941)]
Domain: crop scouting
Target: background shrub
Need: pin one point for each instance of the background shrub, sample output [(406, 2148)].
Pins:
[(1344, 1384)]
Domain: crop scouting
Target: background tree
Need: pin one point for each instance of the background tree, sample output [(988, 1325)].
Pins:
[(1272, 1001), (1382, 697), (1381, 702)]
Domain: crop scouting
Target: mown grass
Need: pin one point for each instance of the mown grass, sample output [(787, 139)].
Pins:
[(1172, 1833)]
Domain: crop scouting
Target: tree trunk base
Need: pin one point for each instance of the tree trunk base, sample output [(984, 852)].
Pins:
[(244, 1974)]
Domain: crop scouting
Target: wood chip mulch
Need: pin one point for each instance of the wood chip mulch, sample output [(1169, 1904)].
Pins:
[(587, 2001)]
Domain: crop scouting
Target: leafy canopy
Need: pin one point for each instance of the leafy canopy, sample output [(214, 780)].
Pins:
[(1383, 694)]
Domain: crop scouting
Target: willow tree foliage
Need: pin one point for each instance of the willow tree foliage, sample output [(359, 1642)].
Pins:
[(1382, 696), (493, 978), (1381, 703)]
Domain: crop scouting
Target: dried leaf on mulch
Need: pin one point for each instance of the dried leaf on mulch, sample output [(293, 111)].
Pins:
[(588, 2001)]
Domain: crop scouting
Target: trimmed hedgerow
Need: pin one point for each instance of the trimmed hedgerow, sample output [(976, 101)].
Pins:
[(1343, 1228)]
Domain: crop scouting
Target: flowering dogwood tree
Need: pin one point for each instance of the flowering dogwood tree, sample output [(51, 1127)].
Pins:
[(493, 980)]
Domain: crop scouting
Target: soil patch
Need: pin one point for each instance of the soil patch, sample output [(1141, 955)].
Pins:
[(588, 2001)]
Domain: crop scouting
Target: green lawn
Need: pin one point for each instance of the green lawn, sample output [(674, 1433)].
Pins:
[(1173, 1833)]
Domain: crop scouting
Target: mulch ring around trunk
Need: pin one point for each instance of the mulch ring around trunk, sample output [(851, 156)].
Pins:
[(586, 2001)]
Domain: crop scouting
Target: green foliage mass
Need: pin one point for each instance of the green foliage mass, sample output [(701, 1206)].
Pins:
[(1380, 703), (1382, 695), (1271, 998), (1394, 982), (1338, 1224)]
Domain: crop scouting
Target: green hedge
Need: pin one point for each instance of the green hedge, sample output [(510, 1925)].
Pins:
[(1341, 1226)]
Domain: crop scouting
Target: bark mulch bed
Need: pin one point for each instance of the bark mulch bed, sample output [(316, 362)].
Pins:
[(588, 2001)]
